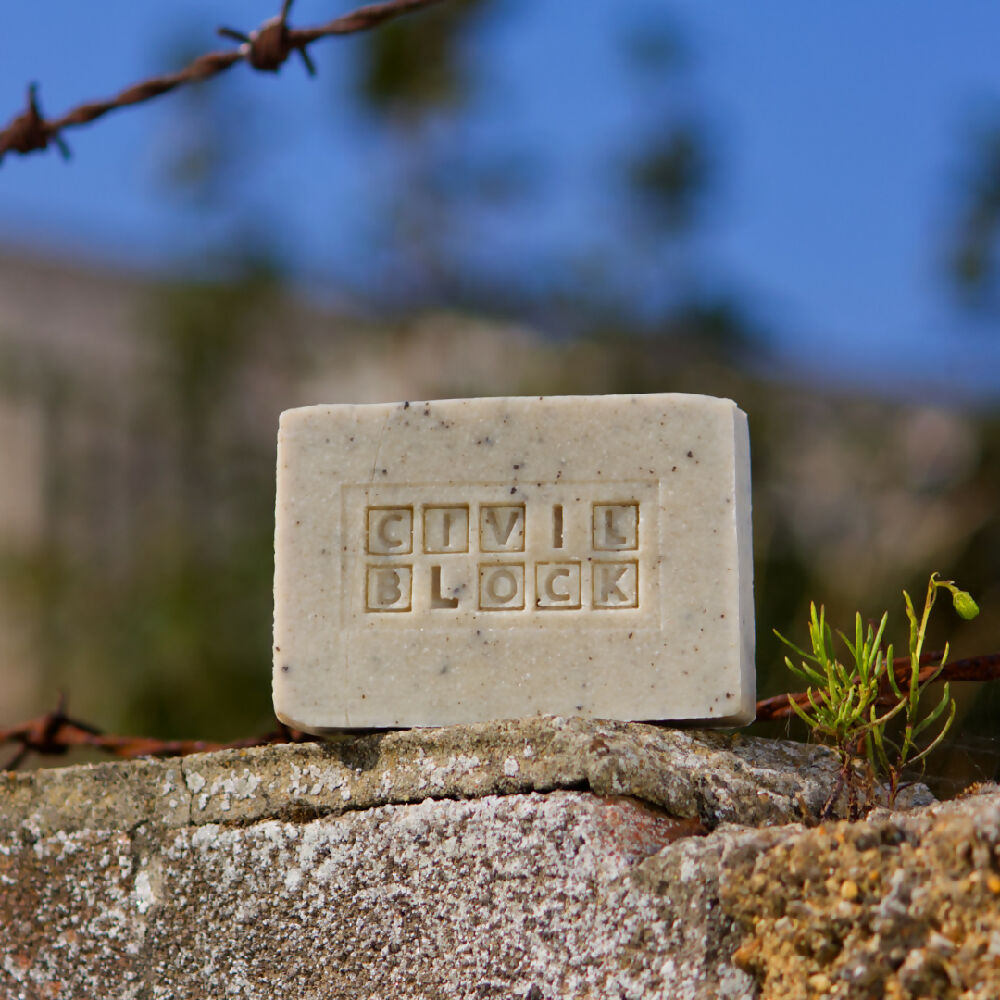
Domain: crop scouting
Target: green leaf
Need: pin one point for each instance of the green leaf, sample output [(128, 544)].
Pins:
[(791, 645), (914, 623), (935, 713), (806, 672), (803, 714), (890, 669), (940, 736)]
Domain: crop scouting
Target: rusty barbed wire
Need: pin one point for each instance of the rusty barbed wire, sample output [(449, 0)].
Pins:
[(973, 668), (266, 49), (55, 732)]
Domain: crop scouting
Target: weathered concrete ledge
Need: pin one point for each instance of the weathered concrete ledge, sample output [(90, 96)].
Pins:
[(717, 777), (544, 858)]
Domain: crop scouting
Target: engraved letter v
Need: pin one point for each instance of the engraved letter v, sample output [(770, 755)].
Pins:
[(493, 521)]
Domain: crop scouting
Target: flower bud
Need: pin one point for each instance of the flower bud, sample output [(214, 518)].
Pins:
[(964, 604)]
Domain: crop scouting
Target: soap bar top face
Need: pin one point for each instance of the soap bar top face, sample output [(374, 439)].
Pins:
[(470, 559)]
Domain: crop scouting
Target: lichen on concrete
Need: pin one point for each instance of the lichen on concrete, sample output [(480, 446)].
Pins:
[(903, 905), (495, 896), (535, 859)]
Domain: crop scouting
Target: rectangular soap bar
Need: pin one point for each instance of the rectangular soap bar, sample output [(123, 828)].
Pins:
[(471, 559)]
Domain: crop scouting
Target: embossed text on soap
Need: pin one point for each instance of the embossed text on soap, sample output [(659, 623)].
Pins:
[(476, 549)]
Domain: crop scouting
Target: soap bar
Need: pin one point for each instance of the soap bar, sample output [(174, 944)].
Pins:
[(471, 559)]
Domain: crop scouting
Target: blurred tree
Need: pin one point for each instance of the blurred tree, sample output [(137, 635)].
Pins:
[(415, 81), (974, 264), (667, 170), (415, 67), (192, 611), (670, 181), (667, 177), (421, 81), (157, 629), (207, 135), (194, 607)]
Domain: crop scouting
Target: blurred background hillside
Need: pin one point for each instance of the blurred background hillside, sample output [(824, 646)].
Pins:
[(798, 210)]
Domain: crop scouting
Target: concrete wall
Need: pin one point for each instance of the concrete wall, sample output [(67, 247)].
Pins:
[(540, 859)]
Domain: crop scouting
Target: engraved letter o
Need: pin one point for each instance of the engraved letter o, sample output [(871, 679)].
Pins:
[(509, 590)]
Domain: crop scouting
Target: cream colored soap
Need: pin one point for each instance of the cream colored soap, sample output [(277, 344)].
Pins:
[(472, 559)]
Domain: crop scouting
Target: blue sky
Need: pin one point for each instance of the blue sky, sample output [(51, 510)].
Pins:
[(839, 133)]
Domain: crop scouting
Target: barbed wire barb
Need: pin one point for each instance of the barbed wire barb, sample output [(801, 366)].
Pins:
[(29, 131), (266, 49)]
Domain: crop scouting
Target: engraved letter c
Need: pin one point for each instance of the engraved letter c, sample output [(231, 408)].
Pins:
[(383, 535), (550, 591)]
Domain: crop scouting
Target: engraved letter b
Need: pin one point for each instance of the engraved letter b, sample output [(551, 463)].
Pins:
[(388, 588)]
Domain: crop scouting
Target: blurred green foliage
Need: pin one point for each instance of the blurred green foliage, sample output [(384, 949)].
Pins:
[(974, 262), (158, 625), (417, 66), (667, 176)]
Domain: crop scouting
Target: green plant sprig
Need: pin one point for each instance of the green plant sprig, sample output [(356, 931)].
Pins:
[(844, 699), (909, 699)]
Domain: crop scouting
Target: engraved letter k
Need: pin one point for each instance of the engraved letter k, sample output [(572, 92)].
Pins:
[(610, 577)]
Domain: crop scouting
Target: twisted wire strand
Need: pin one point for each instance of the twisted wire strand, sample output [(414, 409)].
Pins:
[(265, 50), (56, 732)]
